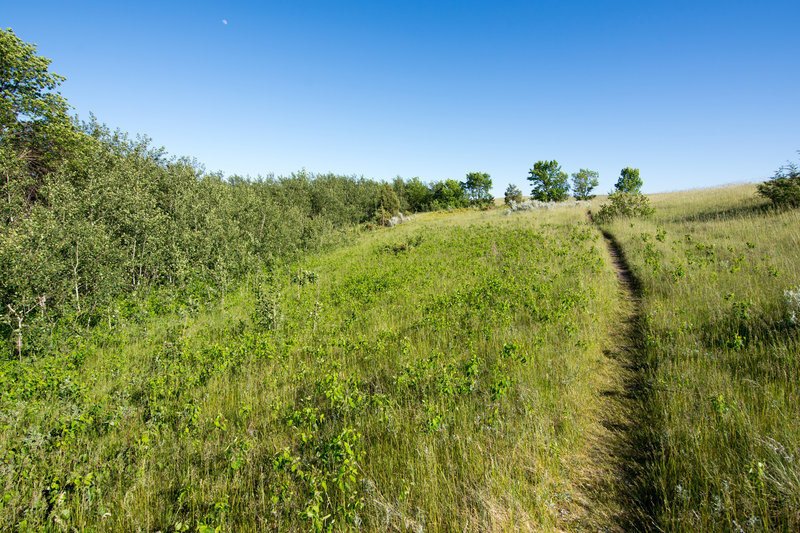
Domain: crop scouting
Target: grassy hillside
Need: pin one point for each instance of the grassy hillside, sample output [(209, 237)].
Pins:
[(464, 371), (719, 349), (443, 374)]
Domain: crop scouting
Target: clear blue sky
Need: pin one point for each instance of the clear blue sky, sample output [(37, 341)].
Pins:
[(692, 93)]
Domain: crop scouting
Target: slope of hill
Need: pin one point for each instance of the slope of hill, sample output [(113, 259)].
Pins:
[(718, 271), (440, 374), (467, 370)]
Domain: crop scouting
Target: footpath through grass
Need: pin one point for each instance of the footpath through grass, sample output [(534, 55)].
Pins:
[(720, 353), (441, 375)]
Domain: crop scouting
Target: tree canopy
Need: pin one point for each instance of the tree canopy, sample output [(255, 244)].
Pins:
[(26, 86), (549, 182), (448, 193), (629, 181), (583, 182), (512, 195), (477, 188), (388, 204), (36, 132)]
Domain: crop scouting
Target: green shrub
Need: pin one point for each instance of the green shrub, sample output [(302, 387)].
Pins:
[(624, 204), (784, 188)]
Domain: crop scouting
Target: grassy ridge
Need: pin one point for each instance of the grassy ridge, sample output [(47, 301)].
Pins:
[(444, 374), (721, 357), (439, 375)]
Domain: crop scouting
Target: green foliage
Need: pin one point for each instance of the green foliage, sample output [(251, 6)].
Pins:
[(26, 84), (399, 186), (629, 181), (718, 348), (626, 201), (388, 204), (549, 183), (343, 200), (120, 216), (419, 195), (783, 189), (36, 134), (513, 194), (477, 188), (625, 205), (267, 312), (448, 193), (34, 126), (326, 394), (583, 182)]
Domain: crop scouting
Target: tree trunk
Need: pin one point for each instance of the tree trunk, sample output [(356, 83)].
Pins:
[(20, 317), (75, 273)]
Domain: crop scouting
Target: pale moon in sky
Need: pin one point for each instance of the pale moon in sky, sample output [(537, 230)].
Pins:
[(224, 21)]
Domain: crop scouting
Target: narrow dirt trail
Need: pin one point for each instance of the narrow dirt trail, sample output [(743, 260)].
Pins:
[(611, 484)]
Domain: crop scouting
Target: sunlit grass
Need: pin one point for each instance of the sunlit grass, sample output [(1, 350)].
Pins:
[(442, 374), (722, 358)]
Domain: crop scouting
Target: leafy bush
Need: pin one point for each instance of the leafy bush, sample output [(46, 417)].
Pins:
[(447, 194), (389, 205), (624, 204), (626, 200), (784, 188)]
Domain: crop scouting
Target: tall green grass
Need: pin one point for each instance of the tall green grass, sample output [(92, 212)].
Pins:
[(720, 356), (441, 375), (446, 374)]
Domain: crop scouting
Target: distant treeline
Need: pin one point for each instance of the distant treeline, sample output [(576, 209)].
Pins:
[(88, 214)]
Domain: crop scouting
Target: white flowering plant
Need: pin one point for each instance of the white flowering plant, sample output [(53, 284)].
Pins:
[(792, 297)]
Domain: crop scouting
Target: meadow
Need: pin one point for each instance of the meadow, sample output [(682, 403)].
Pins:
[(184, 351), (440, 375), (467, 370), (718, 356)]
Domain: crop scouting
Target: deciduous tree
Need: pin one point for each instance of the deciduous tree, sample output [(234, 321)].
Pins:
[(513, 194), (629, 181), (388, 204), (549, 182), (583, 182), (448, 193), (477, 187), (627, 199), (35, 130), (418, 194)]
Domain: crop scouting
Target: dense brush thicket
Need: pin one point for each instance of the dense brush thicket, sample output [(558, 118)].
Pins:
[(117, 215), (87, 214)]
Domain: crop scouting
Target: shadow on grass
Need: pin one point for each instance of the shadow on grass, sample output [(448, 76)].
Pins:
[(757, 349), (746, 209)]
